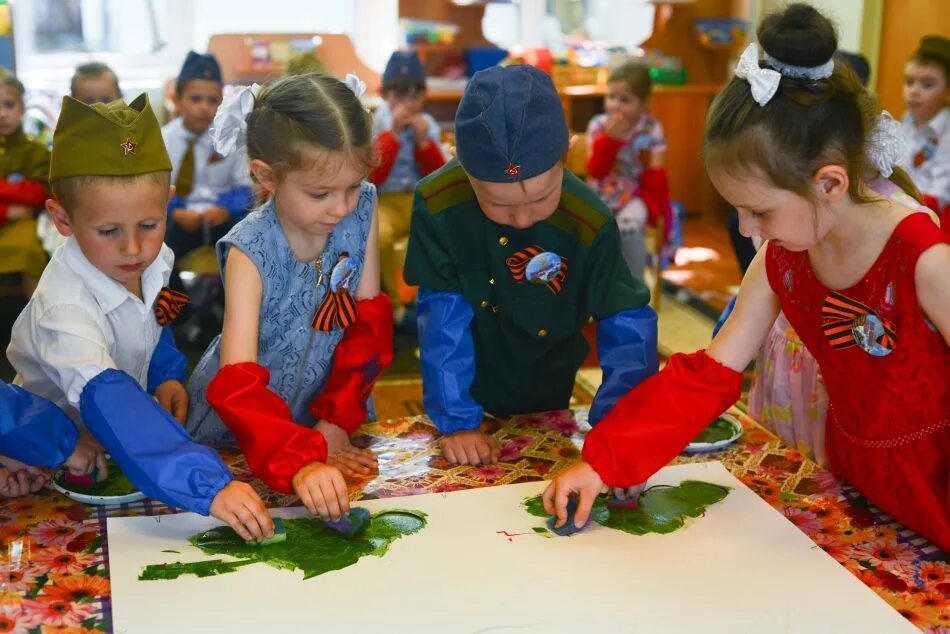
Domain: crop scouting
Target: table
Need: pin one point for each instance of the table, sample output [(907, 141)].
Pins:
[(54, 566)]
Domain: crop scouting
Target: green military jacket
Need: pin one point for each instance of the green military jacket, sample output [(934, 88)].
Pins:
[(24, 155), (528, 339)]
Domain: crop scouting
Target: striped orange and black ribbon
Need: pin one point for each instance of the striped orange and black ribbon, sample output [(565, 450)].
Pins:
[(168, 304), (518, 264), (337, 310), (838, 314)]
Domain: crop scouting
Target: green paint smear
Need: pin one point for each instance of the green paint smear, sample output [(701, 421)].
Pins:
[(662, 509), (115, 483), (721, 429), (310, 547)]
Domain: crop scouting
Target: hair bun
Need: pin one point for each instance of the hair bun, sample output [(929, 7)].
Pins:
[(799, 35)]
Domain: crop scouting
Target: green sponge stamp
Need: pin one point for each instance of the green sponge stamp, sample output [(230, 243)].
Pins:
[(280, 535)]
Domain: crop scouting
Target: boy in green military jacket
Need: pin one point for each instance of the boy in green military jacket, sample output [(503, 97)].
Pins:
[(24, 166), (513, 255)]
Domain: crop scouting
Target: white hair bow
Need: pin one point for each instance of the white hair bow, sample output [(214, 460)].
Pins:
[(229, 129), (763, 81), (885, 145), (354, 83)]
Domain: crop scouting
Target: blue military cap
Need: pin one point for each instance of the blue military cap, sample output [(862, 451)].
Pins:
[(404, 65), (510, 124), (198, 66)]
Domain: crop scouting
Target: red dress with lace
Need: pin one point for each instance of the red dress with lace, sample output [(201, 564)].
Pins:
[(887, 371)]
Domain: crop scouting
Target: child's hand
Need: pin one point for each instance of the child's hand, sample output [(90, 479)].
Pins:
[(581, 480), (17, 479), (19, 212), (172, 396), (402, 117), (187, 219), (470, 447), (87, 457), (354, 462), (343, 455), (421, 127), (322, 490), (215, 216), (617, 126), (241, 508)]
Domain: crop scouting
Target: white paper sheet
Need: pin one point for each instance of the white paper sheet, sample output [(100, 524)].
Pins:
[(740, 568)]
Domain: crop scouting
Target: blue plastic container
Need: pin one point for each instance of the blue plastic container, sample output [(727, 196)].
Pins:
[(477, 59)]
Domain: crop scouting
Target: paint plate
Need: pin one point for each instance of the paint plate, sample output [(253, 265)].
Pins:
[(724, 431), (96, 499)]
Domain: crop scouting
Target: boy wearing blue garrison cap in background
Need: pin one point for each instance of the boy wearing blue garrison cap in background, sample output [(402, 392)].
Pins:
[(211, 190), (513, 255)]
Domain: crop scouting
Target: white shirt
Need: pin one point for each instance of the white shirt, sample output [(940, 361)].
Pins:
[(214, 174), (932, 176), (81, 322)]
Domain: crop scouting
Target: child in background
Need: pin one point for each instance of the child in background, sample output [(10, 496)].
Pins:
[(306, 329), (861, 276), (212, 192), (35, 437), (407, 140), (625, 160), (95, 338), (24, 167), (94, 82), (926, 124), (513, 256)]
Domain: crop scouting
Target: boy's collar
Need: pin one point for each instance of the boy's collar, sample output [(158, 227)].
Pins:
[(109, 293)]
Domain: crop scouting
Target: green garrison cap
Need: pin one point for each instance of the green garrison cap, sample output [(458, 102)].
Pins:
[(112, 139)]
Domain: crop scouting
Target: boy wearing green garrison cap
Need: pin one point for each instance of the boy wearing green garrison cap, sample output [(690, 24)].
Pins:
[(513, 255), (95, 338)]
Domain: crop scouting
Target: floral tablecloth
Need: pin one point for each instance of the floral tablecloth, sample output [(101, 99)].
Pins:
[(54, 563)]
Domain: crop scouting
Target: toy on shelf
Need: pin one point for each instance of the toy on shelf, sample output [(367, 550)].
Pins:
[(721, 32), (428, 32)]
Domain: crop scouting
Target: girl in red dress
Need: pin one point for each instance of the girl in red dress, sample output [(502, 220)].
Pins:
[(793, 142)]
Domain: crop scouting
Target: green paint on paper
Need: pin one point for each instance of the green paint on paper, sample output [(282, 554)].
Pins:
[(540, 530), (177, 552), (199, 568), (721, 429), (310, 547), (662, 509), (115, 483)]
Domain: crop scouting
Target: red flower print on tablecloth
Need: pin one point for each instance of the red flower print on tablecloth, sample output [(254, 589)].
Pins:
[(887, 555), (62, 562), (488, 472), (830, 544), (17, 579), (65, 629), (52, 611), (937, 601), (827, 483), (806, 521), (16, 619), (909, 609), (933, 573), (58, 532), (77, 587), (561, 421)]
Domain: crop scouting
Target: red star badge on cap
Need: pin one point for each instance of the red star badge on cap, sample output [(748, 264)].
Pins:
[(128, 146), (513, 170)]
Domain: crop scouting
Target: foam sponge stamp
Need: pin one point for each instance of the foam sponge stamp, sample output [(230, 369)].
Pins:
[(280, 535), (568, 528), (350, 524), (631, 502), (84, 479)]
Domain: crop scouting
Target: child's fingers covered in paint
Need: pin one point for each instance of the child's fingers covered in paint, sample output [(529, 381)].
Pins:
[(241, 508), (322, 490)]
